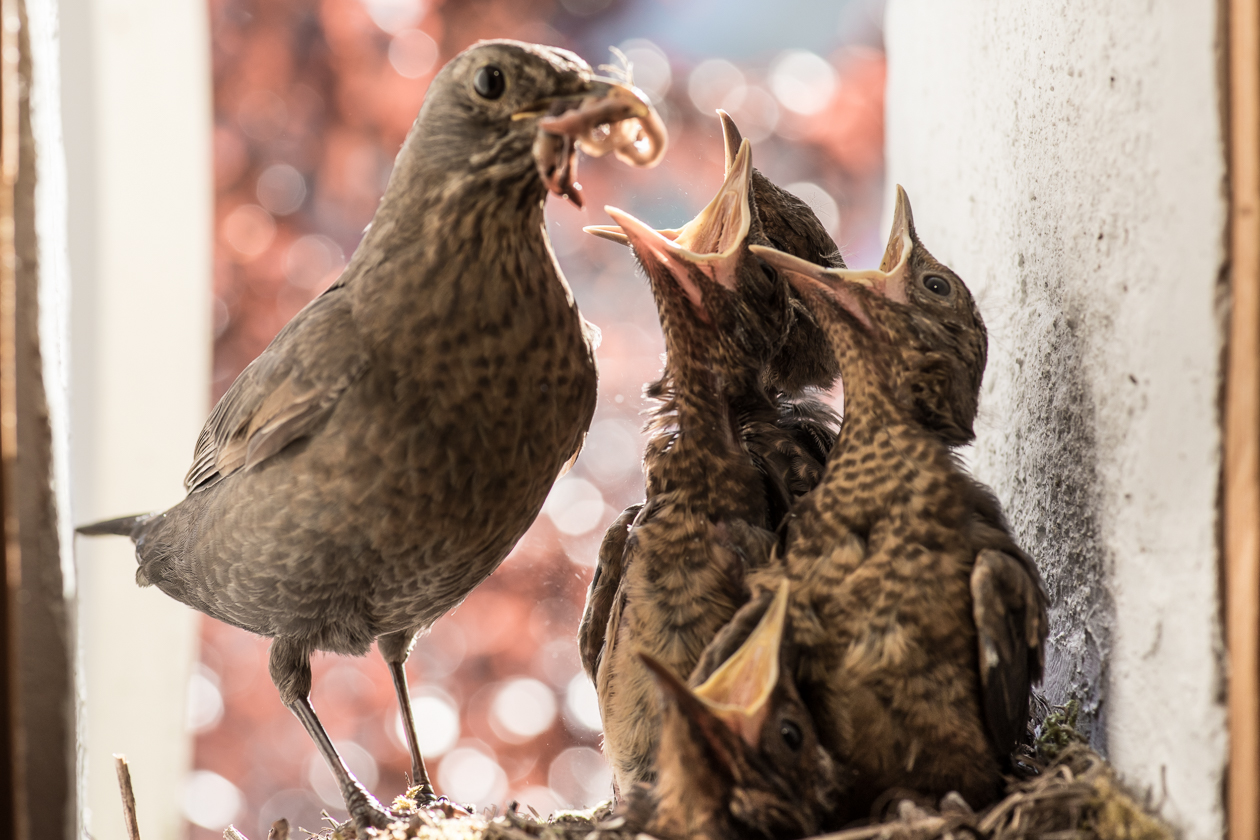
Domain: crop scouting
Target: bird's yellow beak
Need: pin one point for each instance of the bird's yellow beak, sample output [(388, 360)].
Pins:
[(710, 242), (738, 693), (731, 138), (889, 280)]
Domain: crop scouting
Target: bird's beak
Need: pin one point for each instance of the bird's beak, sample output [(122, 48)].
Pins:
[(731, 138), (889, 280), (710, 242), (830, 284), (606, 117), (738, 692), (697, 717)]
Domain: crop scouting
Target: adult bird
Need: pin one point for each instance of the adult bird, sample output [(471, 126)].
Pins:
[(395, 440), (738, 754), (920, 622)]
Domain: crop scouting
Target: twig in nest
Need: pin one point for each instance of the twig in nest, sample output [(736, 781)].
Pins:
[(128, 796), (230, 833)]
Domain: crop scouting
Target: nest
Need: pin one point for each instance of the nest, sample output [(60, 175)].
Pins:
[(1067, 792)]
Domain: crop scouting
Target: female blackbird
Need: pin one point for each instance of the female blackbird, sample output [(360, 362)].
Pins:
[(391, 445), (920, 623), (738, 755)]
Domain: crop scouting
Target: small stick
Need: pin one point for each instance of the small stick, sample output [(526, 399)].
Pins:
[(230, 833), (128, 796)]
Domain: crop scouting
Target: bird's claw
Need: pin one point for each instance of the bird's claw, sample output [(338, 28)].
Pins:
[(367, 813)]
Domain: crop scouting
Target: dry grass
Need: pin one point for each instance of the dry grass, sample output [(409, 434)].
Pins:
[(1069, 793)]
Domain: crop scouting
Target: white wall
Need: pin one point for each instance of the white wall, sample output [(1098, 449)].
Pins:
[(1066, 159), (138, 127)]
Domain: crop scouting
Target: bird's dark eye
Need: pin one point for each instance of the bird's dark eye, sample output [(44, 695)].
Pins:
[(937, 285), (791, 734), (489, 82), (769, 270)]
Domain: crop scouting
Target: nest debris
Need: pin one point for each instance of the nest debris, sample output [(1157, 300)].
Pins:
[(1069, 793)]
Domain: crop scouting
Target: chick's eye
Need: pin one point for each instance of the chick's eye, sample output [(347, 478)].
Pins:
[(489, 82), (769, 270), (791, 734), (936, 285)]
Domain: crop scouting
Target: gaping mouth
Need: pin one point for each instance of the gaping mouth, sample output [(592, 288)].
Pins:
[(710, 242), (888, 281), (610, 117)]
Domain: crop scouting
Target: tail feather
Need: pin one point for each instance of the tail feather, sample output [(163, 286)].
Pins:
[(123, 526)]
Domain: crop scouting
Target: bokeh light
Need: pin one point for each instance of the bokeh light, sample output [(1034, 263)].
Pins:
[(211, 801), (469, 774), (205, 701), (437, 723)]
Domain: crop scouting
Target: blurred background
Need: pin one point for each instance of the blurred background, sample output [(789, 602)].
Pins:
[(312, 99)]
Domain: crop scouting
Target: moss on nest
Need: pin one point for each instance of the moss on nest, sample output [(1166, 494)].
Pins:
[(1071, 793)]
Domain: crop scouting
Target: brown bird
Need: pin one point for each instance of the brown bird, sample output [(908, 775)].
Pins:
[(671, 574), (391, 445), (738, 755), (920, 623), (786, 428), (783, 221)]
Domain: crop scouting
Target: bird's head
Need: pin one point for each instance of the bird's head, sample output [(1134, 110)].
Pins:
[(913, 317), (506, 107), (788, 224), (705, 279), (740, 749)]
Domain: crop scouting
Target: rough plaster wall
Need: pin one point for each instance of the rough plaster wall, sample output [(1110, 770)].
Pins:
[(1066, 159)]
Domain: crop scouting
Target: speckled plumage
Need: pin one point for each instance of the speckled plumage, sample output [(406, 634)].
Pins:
[(920, 623), (739, 757), (728, 453), (381, 457), (673, 574)]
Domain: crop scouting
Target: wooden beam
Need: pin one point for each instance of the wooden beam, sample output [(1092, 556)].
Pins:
[(1242, 424), (12, 799)]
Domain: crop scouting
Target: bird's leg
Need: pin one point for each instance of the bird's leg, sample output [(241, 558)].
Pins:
[(290, 668), (419, 775), (364, 808), (395, 648)]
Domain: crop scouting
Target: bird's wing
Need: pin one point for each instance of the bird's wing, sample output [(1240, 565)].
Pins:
[(1010, 613), (603, 591), (284, 393)]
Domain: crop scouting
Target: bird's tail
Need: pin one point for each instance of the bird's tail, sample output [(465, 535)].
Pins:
[(123, 526)]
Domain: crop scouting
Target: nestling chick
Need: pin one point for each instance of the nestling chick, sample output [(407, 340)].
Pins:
[(787, 429), (738, 755), (920, 623), (672, 573), (391, 445)]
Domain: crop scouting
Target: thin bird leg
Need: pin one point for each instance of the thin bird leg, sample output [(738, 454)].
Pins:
[(364, 808), (419, 775)]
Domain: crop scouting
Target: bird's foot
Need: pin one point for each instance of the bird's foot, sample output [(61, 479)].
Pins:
[(422, 794), (367, 813)]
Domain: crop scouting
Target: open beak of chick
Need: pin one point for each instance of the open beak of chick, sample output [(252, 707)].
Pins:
[(708, 244), (730, 708), (842, 285), (608, 117)]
